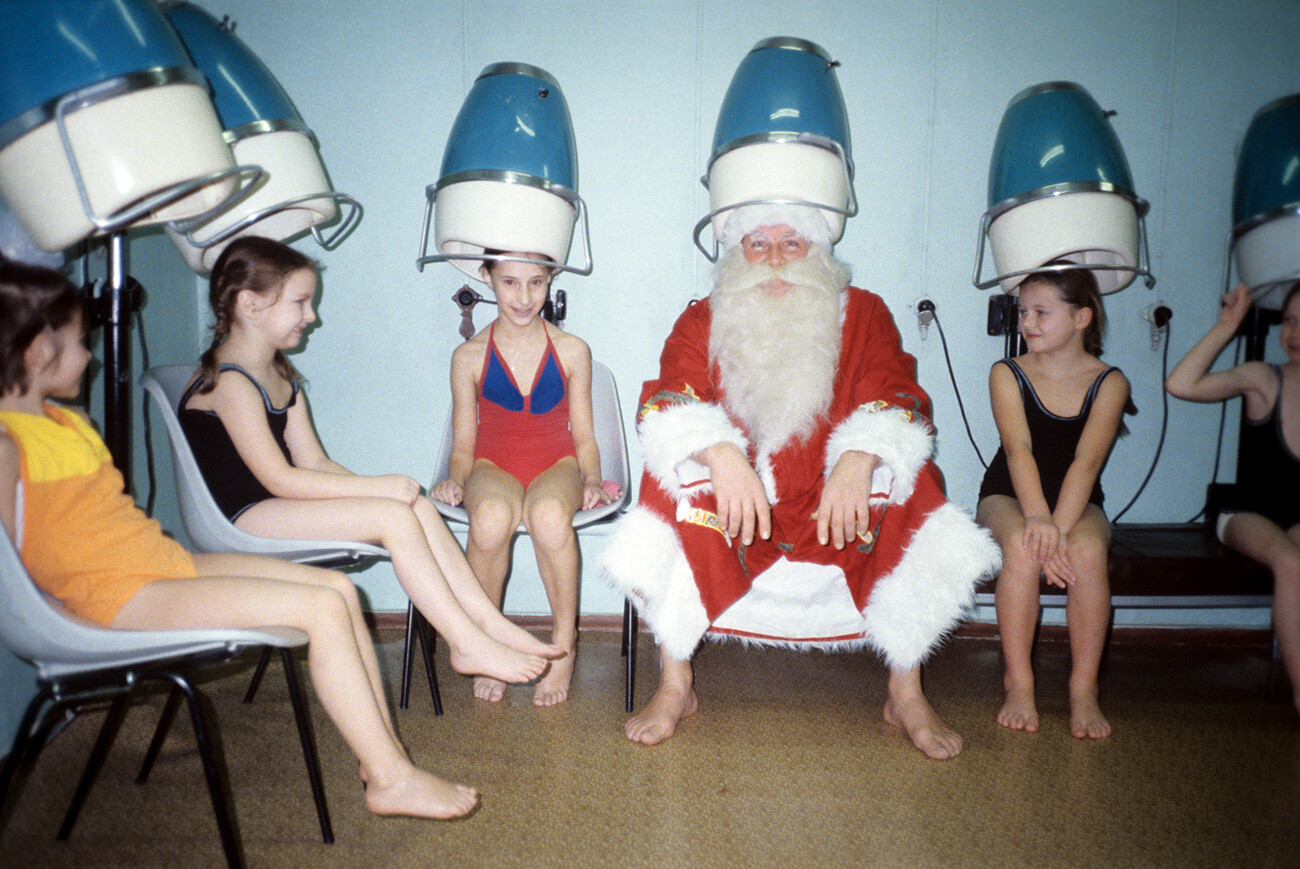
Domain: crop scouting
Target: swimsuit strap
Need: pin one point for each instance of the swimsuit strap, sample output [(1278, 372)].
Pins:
[(1087, 398), (230, 366)]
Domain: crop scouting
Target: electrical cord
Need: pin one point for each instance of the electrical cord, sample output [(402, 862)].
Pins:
[(953, 376), (144, 409), (1163, 315)]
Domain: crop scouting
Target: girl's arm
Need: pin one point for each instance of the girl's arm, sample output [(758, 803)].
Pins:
[(464, 423), (238, 404), (577, 361), (9, 486), (1094, 445), (1042, 537), (1191, 378)]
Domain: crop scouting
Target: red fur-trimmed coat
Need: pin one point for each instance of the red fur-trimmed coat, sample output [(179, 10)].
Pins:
[(898, 588)]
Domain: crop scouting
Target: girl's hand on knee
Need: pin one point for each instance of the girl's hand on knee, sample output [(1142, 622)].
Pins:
[(594, 496), (448, 492), (399, 487), (1058, 570), (1042, 538)]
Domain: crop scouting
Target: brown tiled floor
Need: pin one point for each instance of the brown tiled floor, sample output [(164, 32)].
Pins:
[(787, 763)]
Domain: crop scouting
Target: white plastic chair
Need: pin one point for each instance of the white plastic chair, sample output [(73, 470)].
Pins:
[(211, 531), (78, 661), (607, 420)]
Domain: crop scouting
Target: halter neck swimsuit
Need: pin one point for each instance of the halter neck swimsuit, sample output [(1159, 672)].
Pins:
[(522, 434)]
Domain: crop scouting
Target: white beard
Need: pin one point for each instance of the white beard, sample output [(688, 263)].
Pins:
[(777, 354)]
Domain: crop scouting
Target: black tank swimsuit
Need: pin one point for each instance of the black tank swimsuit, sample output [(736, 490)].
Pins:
[(231, 483), (1055, 439)]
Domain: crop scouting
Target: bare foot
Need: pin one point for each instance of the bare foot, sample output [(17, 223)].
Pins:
[(480, 655), (501, 629), (913, 714), (658, 720), (491, 690), (553, 687), (420, 794), (1086, 720), (1019, 711)]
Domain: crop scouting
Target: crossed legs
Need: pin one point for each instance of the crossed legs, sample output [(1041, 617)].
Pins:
[(428, 564), (1261, 539), (246, 591)]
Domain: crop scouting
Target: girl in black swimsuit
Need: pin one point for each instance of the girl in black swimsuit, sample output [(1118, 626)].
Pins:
[(1058, 410)]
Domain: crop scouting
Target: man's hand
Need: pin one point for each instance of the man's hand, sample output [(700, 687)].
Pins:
[(843, 512), (742, 503)]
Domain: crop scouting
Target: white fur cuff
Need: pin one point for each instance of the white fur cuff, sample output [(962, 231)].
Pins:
[(902, 440), (670, 437)]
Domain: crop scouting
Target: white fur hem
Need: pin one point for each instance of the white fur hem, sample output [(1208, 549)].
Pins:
[(901, 440), (645, 561), (913, 608), (670, 437)]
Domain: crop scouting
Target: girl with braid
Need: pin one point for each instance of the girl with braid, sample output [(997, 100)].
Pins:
[(247, 421)]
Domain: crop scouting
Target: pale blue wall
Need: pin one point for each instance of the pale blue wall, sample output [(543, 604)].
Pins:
[(925, 84)]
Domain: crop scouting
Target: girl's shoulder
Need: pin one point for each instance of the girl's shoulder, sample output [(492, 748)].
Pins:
[(571, 349)]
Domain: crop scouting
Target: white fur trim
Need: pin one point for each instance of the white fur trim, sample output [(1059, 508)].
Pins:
[(902, 444), (645, 561), (806, 220), (913, 608), (670, 437)]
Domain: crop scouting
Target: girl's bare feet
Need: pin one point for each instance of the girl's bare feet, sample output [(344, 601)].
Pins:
[(481, 655), (553, 687), (1086, 720), (658, 720), (419, 794), (1019, 711), (491, 690), (501, 629)]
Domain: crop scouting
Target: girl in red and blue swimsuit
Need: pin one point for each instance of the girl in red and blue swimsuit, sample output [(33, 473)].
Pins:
[(524, 450)]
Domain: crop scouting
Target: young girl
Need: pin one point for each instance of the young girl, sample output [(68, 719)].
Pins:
[(87, 544), (527, 456), (1262, 520), (250, 429), (1058, 410)]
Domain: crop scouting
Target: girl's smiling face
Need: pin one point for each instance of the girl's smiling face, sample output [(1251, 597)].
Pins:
[(284, 320), (1048, 322), (520, 288)]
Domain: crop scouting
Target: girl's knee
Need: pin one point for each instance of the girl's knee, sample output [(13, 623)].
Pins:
[(1089, 556), (549, 522), (491, 523)]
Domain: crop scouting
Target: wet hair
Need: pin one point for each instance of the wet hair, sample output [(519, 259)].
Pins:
[(32, 299), (1078, 288), (542, 259), (252, 263)]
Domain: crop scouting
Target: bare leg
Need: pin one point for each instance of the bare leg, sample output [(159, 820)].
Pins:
[(549, 505), (465, 585), (1016, 600), (394, 526), (673, 700), (494, 502), (1087, 615), (908, 710), (1261, 539), (321, 603)]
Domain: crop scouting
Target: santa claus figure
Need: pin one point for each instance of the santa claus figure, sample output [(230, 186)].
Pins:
[(788, 495)]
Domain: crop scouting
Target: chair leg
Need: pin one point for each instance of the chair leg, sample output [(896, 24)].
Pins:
[(428, 639), (23, 741), (107, 733), (417, 631), (257, 674), (629, 650), (221, 806), (300, 714), (408, 652), (159, 734)]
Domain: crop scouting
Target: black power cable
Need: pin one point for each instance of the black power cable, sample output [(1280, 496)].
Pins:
[(927, 306), (1161, 316)]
